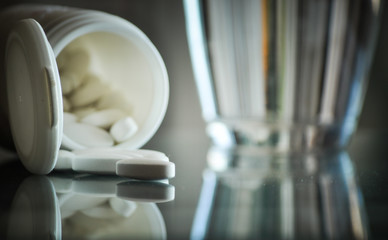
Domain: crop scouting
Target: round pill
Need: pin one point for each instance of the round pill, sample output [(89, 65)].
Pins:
[(145, 169), (123, 129), (87, 135), (104, 118)]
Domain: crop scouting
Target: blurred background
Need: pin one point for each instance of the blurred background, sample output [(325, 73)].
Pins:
[(163, 22)]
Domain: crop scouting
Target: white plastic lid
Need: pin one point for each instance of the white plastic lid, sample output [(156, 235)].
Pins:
[(33, 88)]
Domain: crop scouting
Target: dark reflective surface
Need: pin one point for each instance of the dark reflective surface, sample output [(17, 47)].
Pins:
[(83, 206), (239, 195)]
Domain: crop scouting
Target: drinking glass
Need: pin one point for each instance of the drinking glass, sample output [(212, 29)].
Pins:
[(282, 75)]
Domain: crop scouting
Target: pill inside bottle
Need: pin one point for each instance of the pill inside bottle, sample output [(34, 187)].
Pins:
[(109, 89)]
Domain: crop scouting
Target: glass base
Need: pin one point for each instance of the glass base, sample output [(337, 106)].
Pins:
[(280, 138)]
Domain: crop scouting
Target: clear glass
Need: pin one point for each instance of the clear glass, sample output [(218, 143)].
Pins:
[(282, 74)]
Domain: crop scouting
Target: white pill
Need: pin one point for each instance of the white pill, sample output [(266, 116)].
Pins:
[(69, 82), (115, 99), (103, 164), (152, 154), (104, 118), (123, 129), (77, 61), (89, 92), (123, 207), (119, 153), (69, 118), (87, 135), (66, 105), (64, 160), (83, 111), (145, 169)]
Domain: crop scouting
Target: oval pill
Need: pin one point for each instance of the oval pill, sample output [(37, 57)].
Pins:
[(87, 135), (84, 111), (104, 118), (145, 169)]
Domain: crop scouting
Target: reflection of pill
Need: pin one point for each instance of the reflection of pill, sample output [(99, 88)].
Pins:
[(122, 207), (146, 191), (87, 93), (103, 211), (87, 135), (145, 169), (104, 118), (123, 129)]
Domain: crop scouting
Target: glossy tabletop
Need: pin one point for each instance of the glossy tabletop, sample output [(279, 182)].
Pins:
[(216, 194)]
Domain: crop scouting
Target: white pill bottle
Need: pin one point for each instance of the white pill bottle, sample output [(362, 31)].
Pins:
[(32, 36)]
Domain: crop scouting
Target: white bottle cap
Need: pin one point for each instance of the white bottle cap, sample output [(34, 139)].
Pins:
[(35, 106)]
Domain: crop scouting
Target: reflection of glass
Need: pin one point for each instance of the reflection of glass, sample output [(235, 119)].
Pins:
[(281, 74), (84, 206), (293, 197)]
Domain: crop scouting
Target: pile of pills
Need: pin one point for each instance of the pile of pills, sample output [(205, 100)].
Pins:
[(95, 115), (138, 164)]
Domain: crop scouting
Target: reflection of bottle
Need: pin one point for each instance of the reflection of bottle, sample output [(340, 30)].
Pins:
[(83, 206), (298, 197)]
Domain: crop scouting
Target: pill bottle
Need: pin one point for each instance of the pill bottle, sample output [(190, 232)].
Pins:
[(33, 36)]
